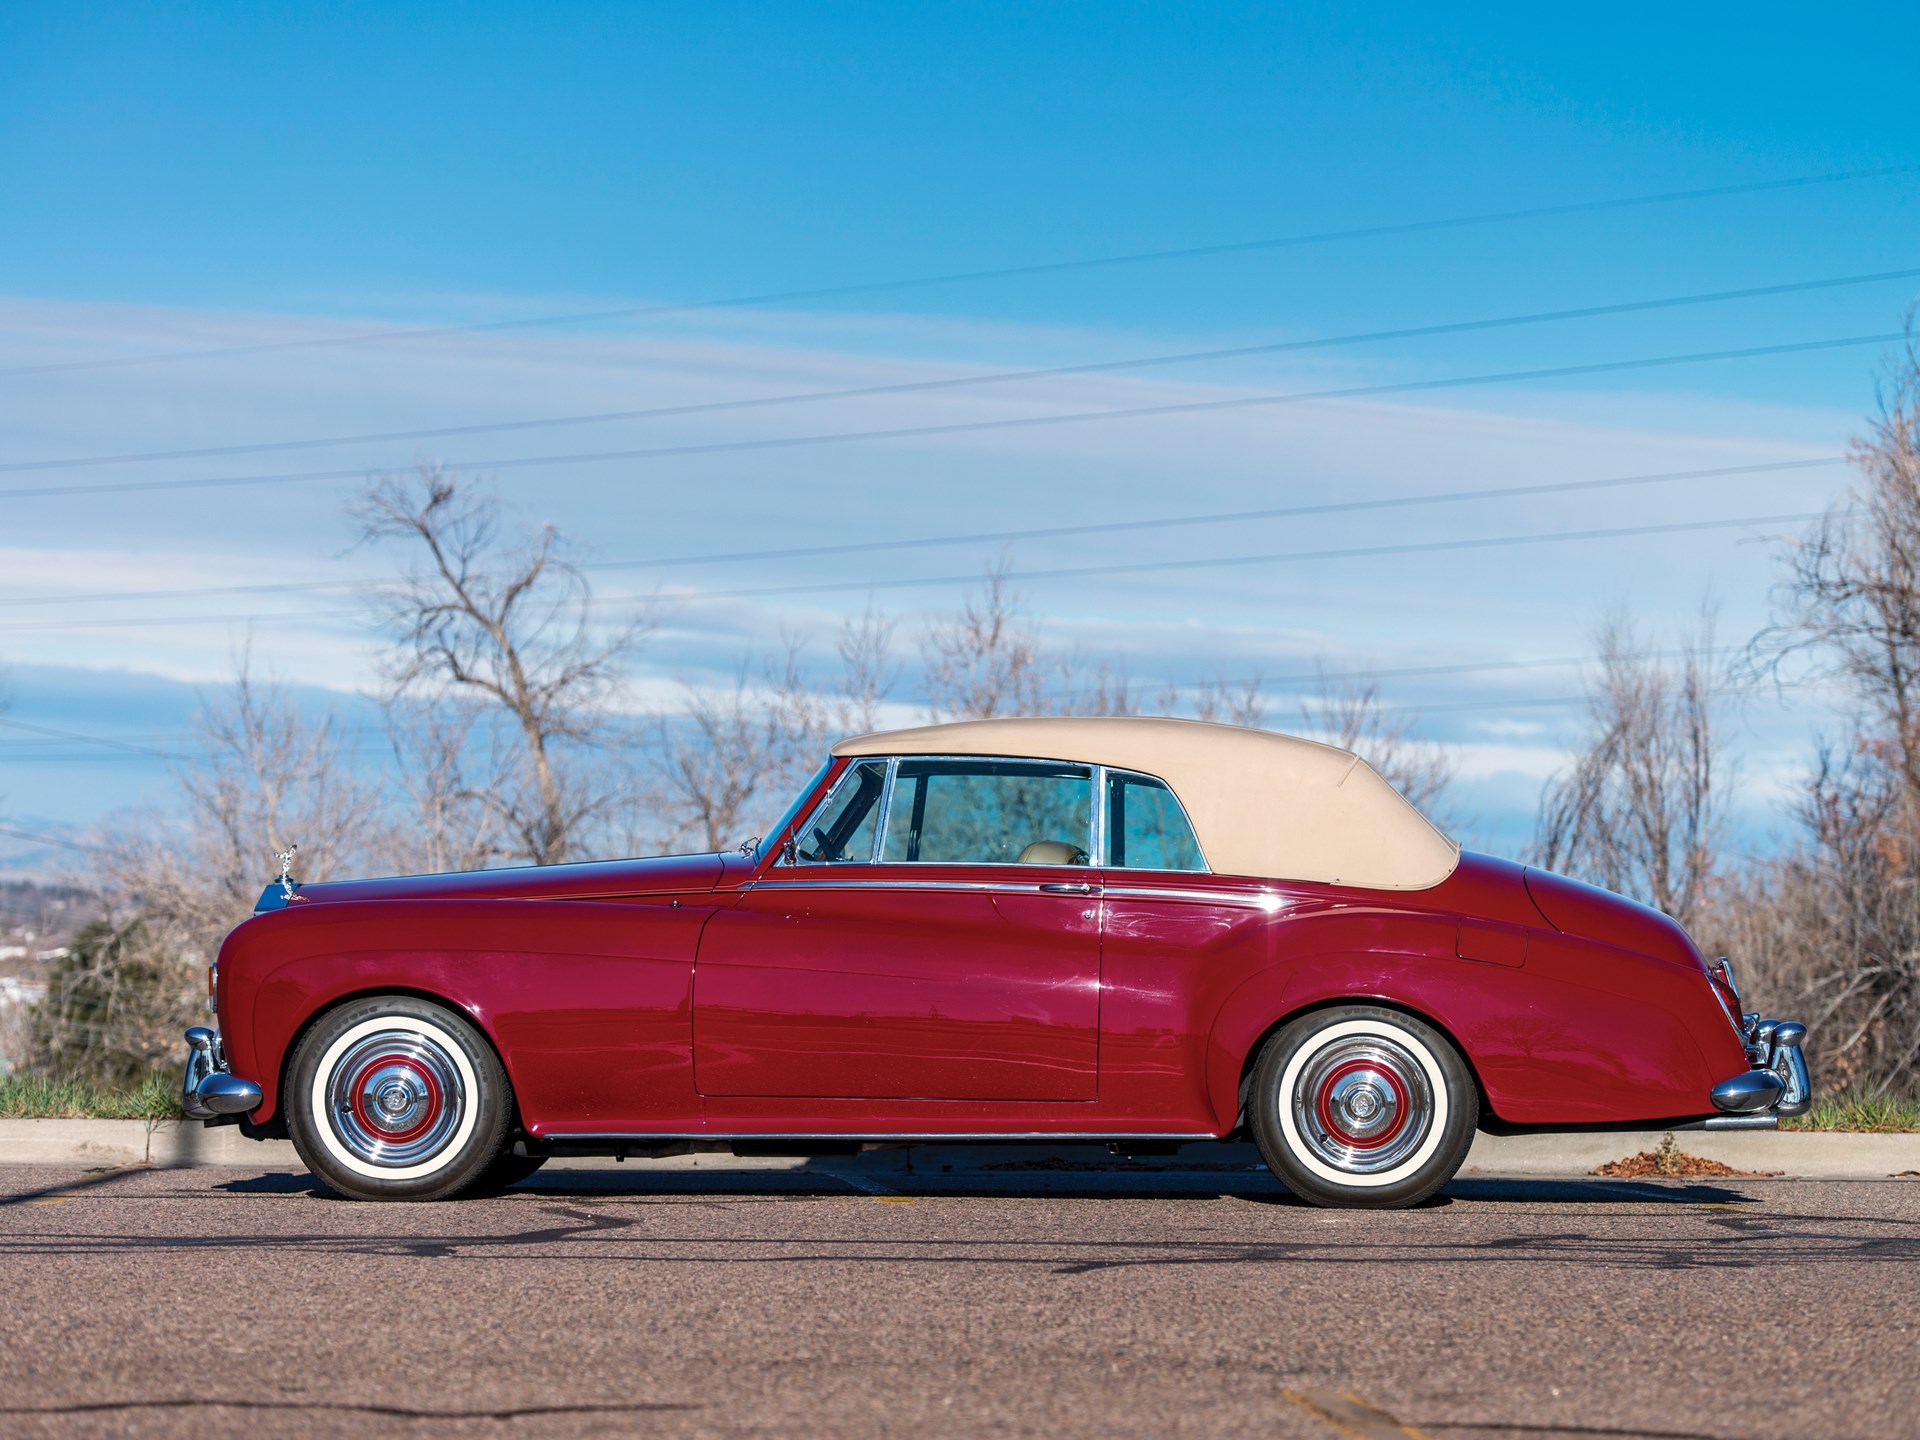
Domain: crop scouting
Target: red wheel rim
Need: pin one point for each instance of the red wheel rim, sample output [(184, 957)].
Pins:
[(377, 1122), (1330, 1119)]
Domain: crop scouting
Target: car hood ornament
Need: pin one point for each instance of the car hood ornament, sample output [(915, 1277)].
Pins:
[(285, 877)]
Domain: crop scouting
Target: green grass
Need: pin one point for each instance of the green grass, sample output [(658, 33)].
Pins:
[(25, 1097), (1884, 1114)]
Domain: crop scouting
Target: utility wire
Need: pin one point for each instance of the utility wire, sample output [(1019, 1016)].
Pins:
[(1163, 522), (50, 840), (51, 733), (1443, 707), (1066, 573), (1080, 572), (1056, 267), (1023, 422), (995, 377)]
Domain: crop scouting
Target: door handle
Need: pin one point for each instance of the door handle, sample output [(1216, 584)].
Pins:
[(1076, 888)]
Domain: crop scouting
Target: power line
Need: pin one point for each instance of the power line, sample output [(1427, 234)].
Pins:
[(1066, 573), (1056, 267), (52, 733), (1442, 707), (1024, 422), (1081, 572), (996, 377), (1163, 522), (50, 840), (1475, 667)]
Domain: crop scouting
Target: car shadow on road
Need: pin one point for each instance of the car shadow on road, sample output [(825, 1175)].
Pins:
[(820, 1180)]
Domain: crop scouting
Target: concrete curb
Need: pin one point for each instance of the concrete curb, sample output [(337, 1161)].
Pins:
[(174, 1143)]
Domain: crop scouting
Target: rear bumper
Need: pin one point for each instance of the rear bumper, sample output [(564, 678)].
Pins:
[(208, 1091), (1777, 1086)]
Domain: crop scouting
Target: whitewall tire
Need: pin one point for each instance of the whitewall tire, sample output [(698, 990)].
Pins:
[(395, 1098), (1359, 1105)]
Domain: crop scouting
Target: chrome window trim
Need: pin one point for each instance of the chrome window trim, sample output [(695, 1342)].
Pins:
[(846, 778), (1097, 854), (893, 771), (1206, 865), (886, 809)]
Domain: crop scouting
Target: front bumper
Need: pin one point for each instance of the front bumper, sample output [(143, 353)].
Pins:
[(209, 1091), (1776, 1087)]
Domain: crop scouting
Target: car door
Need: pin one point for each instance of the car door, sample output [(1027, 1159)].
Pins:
[(1168, 920), (932, 934)]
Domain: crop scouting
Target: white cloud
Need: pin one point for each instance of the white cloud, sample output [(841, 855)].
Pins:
[(1388, 612)]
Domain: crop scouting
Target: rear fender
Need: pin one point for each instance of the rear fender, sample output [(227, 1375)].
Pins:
[(1580, 1034)]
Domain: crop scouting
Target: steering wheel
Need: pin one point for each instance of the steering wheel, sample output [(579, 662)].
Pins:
[(827, 850)]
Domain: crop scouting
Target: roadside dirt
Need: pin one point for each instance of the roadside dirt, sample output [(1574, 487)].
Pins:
[(1671, 1162)]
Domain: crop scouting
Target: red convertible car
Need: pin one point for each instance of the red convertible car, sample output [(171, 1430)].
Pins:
[(1136, 931)]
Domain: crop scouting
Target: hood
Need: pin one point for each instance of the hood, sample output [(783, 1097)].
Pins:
[(666, 874), (1574, 908)]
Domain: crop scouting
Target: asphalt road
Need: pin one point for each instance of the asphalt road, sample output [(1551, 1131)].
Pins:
[(632, 1303)]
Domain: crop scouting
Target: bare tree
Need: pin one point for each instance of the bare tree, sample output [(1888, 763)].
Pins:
[(1098, 687), (266, 777), (510, 621), (726, 753), (1228, 702), (1834, 924), (1347, 711), (867, 671), (1641, 809), (1849, 605), (986, 660), (446, 761)]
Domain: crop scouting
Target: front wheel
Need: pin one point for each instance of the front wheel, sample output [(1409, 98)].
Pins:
[(395, 1098), (1362, 1106)]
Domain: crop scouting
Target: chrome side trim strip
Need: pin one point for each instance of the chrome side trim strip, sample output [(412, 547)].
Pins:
[(910, 883), (1262, 900), (1091, 1136)]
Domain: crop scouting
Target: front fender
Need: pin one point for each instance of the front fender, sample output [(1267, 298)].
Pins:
[(588, 1004)]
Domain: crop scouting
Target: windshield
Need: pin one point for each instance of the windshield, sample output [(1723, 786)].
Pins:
[(763, 838)]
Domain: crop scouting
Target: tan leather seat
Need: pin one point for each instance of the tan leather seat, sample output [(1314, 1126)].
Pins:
[(1053, 852)]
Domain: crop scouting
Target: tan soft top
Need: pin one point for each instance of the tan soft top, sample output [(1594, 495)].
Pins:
[(1261, 804)]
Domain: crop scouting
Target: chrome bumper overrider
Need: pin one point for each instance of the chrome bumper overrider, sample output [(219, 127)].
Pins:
[(209, 1091), (1777, 1086)]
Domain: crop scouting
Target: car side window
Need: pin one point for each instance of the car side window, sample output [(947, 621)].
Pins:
[(842, 830), (1147, 827), (989, 812)]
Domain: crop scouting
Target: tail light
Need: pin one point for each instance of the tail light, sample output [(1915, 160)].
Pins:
[(1727, 991)]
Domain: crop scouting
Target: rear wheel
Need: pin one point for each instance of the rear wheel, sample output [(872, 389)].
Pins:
[(1362, 1106), (395, 1098)]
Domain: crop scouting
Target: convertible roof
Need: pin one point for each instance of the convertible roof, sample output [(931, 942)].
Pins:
[(1261, 804)]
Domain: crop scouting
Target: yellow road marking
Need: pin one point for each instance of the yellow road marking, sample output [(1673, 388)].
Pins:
[(885, 1194), (1353, 1417)]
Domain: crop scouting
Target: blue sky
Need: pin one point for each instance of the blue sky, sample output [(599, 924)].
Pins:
[(182, 178)]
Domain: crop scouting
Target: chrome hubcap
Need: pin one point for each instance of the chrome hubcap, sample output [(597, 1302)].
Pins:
[(1363, 1104), (395, 1098)]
